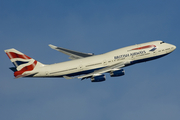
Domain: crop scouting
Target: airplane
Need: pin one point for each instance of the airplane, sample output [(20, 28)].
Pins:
[(88, 65)]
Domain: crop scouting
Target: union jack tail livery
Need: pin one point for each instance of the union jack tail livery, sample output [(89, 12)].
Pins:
[(24, 65)]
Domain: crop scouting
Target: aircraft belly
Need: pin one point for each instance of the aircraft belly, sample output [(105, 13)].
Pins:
[(148, 59)]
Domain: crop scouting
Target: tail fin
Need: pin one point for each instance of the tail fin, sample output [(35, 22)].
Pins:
[(21, 62)]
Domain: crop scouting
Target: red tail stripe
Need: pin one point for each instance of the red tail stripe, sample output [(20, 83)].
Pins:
[(12, 55), (144, 47), (18, 73), (24, 69)]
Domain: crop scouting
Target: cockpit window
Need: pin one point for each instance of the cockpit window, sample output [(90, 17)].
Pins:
[(162, 42)]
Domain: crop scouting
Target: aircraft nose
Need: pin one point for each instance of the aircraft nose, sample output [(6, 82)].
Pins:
[(173, 47)]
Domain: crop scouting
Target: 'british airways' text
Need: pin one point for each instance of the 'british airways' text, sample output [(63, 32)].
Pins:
[(130, 54)]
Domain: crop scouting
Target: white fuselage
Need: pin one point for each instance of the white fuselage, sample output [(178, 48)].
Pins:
[(131, 55)]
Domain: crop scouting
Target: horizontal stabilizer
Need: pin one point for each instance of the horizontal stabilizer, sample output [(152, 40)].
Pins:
[(13, 69), (26, 75)]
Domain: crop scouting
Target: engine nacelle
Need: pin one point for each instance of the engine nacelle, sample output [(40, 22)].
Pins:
[(117, 73), (98, 78)]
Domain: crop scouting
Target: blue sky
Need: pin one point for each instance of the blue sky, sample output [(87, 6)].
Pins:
[(148, 90)]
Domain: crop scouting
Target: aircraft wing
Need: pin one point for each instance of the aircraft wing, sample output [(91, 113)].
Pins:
[(104, 70), (73, 54)]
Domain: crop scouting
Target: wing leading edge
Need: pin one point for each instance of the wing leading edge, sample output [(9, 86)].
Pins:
[(73, 54)]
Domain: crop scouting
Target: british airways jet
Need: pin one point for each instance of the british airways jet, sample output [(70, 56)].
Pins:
[(88, 65)]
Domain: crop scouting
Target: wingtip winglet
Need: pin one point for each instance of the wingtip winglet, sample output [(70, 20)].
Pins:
[(52, 46)]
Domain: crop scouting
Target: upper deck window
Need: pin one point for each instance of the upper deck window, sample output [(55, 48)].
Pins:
[(162, 42)]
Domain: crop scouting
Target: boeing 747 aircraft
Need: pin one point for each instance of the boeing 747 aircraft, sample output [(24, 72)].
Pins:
[(87, 65)]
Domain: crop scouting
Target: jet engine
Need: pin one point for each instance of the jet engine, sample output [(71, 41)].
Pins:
[(116, 73), (98, 78)]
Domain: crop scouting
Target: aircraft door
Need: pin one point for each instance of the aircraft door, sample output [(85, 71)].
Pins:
[(133, 56), (80, 67), (104, 62), (47, 73), (154, 53)]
